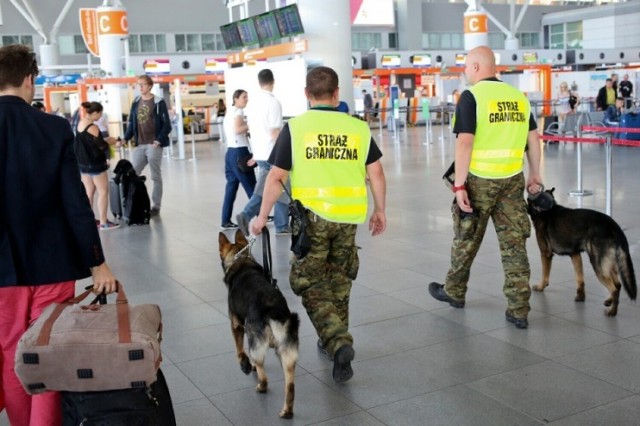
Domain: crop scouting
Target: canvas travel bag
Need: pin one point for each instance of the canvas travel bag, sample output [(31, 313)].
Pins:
[(80, 348)]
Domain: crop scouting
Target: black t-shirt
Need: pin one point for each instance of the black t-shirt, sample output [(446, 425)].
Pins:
[(626, 87), (281, 155), (466, 114)]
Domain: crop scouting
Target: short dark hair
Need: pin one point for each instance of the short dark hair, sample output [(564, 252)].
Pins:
[(608, 80), (16, 63), (322, 82), (146, 79), (619, 98), (265, 77), (91, 107)]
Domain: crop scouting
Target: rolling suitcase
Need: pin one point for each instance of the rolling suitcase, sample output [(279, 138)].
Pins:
[(129, 407), (630, 120), (115, 198)]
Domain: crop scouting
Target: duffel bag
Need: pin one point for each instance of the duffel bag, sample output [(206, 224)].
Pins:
[(80, 348)]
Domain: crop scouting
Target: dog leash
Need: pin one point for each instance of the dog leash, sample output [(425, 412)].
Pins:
[(252, 240), (267, 262)]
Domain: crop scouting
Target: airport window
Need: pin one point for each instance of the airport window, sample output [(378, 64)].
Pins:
[(72, 45), (27, 40), (197, 42), (146, 43), (574, 35), (530, 40), (496, 40), (393, 40), (219, 42), (366, 41), (556, 36), (443, 41), (208, 42), (134, 43)]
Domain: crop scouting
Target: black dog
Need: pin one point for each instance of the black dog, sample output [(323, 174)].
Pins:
[(565, 231), (258, 308)]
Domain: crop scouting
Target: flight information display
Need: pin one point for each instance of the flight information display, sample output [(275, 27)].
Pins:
[(231, 36), (267, 27), (248, 33), (288, 19)]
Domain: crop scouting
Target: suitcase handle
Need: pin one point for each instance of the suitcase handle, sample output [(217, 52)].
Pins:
[(122, 308)]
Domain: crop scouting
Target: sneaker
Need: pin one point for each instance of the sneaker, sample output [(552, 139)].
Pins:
[(521, 323), (109, 225), (284, 231), (437, 292), (243, 223), (342, 370), (323, 351), (154, 211), (269, 219), (229, 225)]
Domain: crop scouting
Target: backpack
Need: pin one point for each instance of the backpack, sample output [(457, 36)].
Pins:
[(573, 100)]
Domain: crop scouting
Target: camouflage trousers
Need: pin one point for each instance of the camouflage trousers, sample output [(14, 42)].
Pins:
[(501, 200), (323, 280)]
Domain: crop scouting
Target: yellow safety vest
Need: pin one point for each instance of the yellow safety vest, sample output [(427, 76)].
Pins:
[(329, 153), (502, 127)]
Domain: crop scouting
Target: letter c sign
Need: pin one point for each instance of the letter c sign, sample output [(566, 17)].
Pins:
[(476, 23), (112, 22)]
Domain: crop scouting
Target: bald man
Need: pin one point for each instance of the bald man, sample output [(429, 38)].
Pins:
[(493, 125)]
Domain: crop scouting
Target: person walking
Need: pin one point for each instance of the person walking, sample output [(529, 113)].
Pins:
[(494, 126), (265, 122), (91, 150), (235, 128), (329, 156), (48, 234), (368, 105), (149, 127)]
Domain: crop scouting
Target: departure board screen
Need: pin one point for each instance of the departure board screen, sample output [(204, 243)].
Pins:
[(267, 27), (288, 19), (247, 31), (231, 36)]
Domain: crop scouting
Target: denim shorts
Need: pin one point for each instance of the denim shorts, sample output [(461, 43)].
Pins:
[(93, 170)]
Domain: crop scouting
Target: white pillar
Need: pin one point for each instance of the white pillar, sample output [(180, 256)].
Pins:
[(50, 56), (327, 27), (476, 29)]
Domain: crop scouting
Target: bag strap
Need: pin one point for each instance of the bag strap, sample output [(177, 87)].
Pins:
[(267, 261), (122, 309)]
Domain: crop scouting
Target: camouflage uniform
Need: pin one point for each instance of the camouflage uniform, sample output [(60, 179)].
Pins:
[(323, 279), (501, 200)]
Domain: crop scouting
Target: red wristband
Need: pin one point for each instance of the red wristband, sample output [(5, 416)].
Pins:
[(459, 188)]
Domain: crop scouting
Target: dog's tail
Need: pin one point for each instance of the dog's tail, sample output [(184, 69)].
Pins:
[(625, 268)]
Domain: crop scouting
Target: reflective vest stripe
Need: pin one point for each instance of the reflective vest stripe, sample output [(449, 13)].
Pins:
[(335, 209), (509, 168), (329, 192), (497, 153)]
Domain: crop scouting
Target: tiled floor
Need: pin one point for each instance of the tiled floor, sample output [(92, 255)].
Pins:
[(418, 361)]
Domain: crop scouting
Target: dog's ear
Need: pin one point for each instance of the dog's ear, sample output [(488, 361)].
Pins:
[(222, 239), (552, 190), (240, 238)]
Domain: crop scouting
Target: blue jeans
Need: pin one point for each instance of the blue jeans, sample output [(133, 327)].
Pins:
[(235, 177), (281, 209)]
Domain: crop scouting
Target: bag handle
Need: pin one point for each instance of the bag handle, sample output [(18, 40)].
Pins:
[(267, 262), (122, 309)]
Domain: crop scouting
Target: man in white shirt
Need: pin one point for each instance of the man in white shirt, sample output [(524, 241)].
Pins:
[(265, 121)]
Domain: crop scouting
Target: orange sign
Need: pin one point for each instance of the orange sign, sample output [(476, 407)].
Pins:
[(112, 22), (283, 49), (89, 30), (476, 24)]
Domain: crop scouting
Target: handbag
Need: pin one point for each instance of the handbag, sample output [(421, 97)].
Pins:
[(300, 239), (80, 348), (243, 166)]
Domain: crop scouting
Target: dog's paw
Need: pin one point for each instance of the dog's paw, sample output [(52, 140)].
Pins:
[(580, 297), (286, 414), (538, 287), (245, 365), (261, 387), (608, 302), (611, 312)]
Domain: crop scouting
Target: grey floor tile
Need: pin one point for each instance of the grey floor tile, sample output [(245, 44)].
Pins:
[(460, 359), (180, 386), (199, 412), (314, 402), (552, 337), (198, 343), (386, 379), (548, 391), (457, 405), (356, 419), (617, 363), (377, 308), (623, 412)]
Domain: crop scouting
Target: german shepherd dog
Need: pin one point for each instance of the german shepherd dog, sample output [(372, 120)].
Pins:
[(257, 307), (564, 231)]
